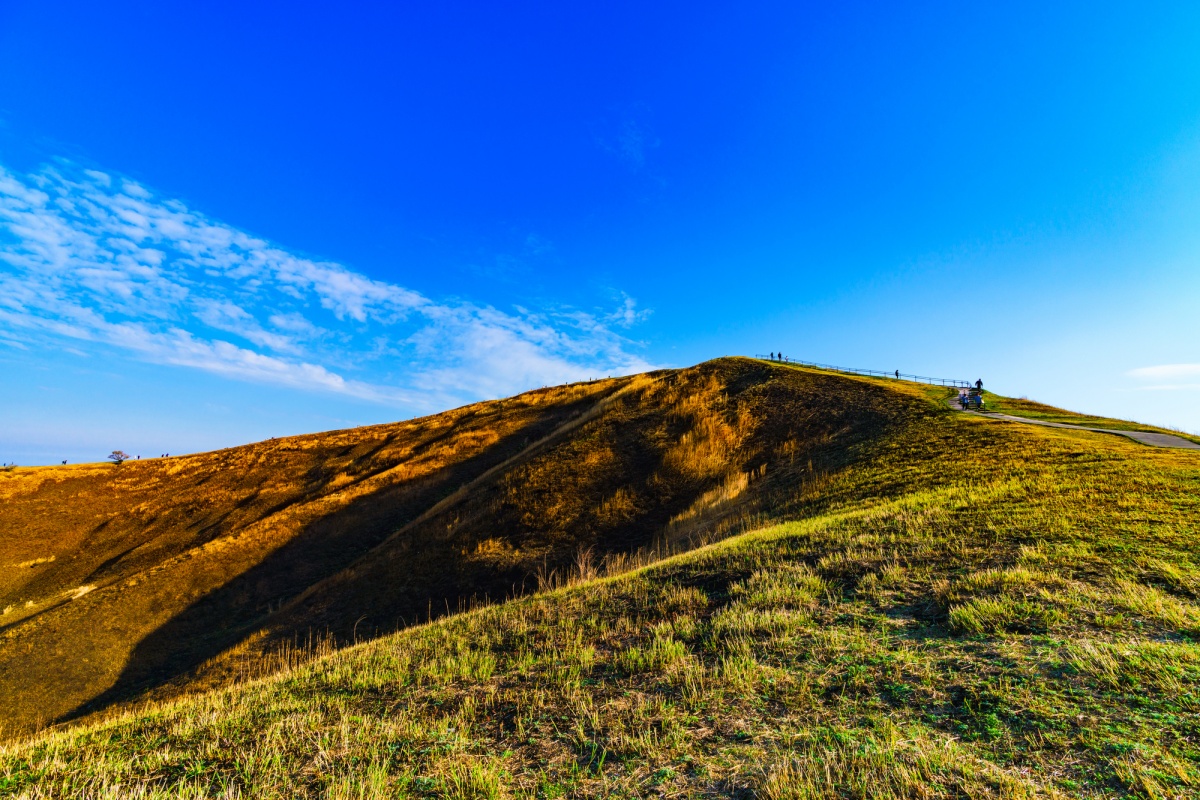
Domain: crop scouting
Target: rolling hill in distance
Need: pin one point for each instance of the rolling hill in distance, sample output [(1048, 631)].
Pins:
[(737, 579)]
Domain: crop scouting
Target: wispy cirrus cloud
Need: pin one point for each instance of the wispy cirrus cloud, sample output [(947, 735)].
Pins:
[(93, 258), (1168, 377)]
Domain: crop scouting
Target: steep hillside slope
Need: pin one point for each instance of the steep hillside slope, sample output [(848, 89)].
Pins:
[(97, 557), (177, 574), (961, 608)]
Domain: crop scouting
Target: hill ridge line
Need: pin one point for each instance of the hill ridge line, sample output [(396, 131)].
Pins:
[(257, 531), (462, 490)]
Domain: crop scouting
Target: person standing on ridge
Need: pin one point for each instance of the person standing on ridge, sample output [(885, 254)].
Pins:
[(897, 374), (979, 384)]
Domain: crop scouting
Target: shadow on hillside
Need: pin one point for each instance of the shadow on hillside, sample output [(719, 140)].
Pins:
[(223, 617), (430, 569)]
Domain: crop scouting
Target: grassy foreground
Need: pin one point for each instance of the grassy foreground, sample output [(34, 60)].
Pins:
[(980, 611)]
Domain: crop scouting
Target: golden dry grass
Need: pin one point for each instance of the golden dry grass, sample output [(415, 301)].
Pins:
[(944, 607), (175, 575), (99, 557)]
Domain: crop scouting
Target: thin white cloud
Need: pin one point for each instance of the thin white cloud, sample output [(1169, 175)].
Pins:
[(485, 350), (627, 314), (88, 257), (1170, 387), (294, 324), (1166, 372), (232, 318)]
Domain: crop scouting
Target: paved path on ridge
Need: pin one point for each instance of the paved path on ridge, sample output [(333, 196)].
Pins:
[(1145, 437)]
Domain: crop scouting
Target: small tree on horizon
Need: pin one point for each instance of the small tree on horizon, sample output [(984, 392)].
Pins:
[(118, 456)]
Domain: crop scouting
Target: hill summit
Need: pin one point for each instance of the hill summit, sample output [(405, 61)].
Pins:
[(740, 579), (144, 575)]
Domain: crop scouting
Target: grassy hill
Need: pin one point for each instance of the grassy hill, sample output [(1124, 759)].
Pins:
[(171, 575), (1022, 407), (923, 604)]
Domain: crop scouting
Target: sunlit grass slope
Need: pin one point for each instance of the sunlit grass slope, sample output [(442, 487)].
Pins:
[(968, 609), (175, 575), (1022, 407)]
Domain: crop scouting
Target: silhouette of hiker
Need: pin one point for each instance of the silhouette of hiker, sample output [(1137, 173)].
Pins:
[(979, 384), (772, 355), (897, 374)]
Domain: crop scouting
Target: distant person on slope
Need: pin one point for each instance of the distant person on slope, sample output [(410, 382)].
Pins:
[(897, 374), (979, 384)]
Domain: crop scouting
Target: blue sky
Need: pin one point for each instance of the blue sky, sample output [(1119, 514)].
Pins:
[(221, 223)]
